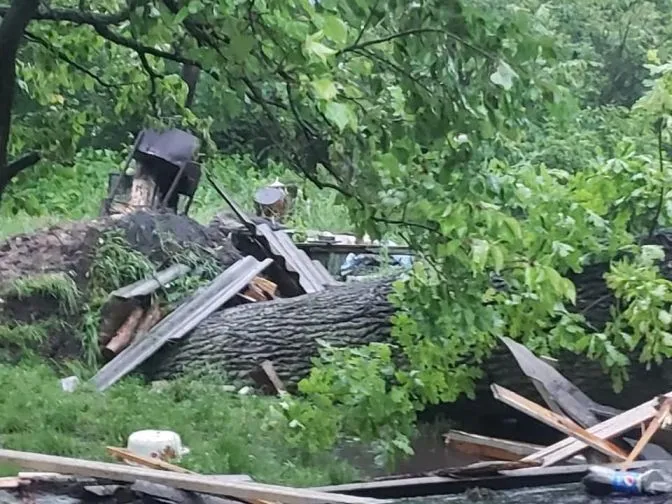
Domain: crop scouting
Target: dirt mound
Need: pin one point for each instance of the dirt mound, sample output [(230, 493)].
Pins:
[(54, 282)]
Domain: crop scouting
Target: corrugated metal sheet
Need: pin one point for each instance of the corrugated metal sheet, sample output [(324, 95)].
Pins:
[(312, 278), (149, 285), (185, 318)]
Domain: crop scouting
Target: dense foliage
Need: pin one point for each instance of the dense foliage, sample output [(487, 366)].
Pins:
[(512, 140)]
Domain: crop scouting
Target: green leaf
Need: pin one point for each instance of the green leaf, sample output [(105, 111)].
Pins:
[(325, 89), (335, 29), (503, 76), (313, 47), (652, 253), (479, 252), (241, 46), (341, 115)]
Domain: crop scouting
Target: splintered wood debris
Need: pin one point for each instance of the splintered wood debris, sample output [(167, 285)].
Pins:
[(245, 491), (569, 411)]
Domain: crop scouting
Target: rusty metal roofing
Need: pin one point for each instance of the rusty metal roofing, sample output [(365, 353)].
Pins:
[(181, 321), (313, 276)]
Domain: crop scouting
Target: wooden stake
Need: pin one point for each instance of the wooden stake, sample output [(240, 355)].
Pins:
[(269, 370)]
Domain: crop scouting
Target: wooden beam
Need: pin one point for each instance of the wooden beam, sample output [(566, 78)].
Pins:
[(653, 427), (485, 447), (193, 482), (563, 424), (608, 429)]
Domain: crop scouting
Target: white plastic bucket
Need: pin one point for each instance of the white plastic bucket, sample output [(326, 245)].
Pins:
[(164, 445)]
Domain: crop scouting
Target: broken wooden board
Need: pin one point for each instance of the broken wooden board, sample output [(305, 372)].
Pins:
[(484, 468), (10, 482), (154, 463), (193, 482), (654, 425), (561, 395), (485, 447), (608, 429), (559, 422), (267, 286), (437, 485)]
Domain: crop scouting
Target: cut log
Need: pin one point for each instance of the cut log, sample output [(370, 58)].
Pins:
[(124, 335)]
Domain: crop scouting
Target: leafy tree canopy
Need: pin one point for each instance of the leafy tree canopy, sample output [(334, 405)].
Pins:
[(516, 141)]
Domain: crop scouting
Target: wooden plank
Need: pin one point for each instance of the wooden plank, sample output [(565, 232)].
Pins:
[(273, 378), (9, 483), (437, 485), (193, 482), (154, 463), (653, 427), (484, 468), (561, 423), (608, 429), (485, 447)]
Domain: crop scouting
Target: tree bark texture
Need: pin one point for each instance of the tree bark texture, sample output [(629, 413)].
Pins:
[(12, 26), (286, 332)]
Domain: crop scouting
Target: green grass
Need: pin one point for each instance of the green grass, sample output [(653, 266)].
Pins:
[(227, 433), (51, 193), (55, 285)]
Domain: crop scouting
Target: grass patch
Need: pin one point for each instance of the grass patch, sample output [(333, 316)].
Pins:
[(22, 335), (50, 193), (226, 432), (58, 286)]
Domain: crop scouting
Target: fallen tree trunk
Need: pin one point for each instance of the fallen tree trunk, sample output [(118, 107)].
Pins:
[(287, 331)]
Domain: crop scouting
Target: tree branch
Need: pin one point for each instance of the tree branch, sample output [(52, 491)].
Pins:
[(81, 17), (65, 58), (17, 166), (416, 31)]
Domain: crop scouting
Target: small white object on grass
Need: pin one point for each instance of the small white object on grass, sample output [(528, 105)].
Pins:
[(70, 383), (161, 444)]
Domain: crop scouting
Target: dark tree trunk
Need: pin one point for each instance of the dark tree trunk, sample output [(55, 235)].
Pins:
[(287, 332), (12, 27)]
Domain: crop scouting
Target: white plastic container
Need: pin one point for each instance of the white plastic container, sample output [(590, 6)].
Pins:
[(164, 445)]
